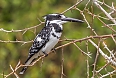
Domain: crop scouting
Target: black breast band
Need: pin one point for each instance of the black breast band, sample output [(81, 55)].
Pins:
[(55, 35)]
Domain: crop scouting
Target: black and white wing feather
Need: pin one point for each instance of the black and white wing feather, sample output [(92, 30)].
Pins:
[(41, 39)]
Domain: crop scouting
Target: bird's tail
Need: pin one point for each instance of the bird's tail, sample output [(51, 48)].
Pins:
[(28, 62), (23, 70)]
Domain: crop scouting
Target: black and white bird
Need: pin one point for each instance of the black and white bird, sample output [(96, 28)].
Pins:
[(49, 36)]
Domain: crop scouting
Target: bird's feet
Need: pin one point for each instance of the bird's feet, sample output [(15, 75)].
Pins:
[(54, 50), (45, 54)]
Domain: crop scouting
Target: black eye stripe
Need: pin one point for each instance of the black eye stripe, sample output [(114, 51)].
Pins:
[(59, 16)]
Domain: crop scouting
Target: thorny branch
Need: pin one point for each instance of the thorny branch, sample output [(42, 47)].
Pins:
[(106, 13), (23, 30), (109, 57), (96, 58), (62, 68)]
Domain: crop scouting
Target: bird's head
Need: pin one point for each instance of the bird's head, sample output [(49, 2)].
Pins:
[(60, 19)]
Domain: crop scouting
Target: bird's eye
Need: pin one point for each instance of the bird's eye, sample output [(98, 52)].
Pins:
[(59, 16)]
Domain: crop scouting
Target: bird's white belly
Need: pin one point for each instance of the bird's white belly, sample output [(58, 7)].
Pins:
[(51, 43)]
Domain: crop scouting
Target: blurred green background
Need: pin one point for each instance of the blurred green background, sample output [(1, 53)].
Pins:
[(20, 14)]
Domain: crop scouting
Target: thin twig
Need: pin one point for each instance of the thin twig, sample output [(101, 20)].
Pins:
[(23, 30), (88, 54), (108, 59), (96, 58), (107, 14), (78, 2), (87, 60)]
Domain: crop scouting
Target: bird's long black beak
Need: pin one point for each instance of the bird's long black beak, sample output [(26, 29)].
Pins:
[(71, 20)]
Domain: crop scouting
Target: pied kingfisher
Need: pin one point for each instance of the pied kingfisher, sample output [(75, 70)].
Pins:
[(49, 36)]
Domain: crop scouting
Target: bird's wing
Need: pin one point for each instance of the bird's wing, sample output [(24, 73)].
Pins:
[(41, 39)]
